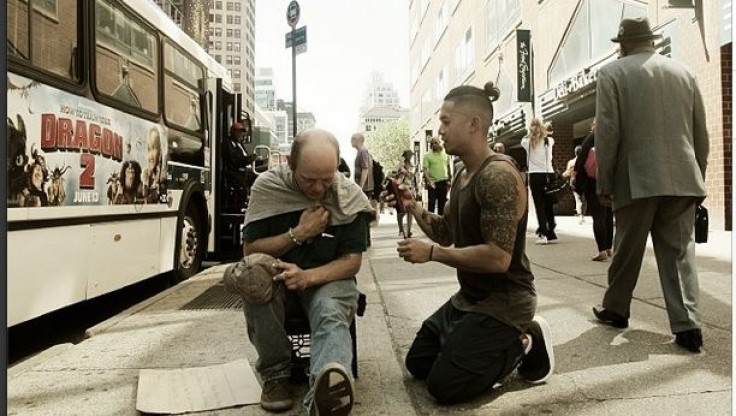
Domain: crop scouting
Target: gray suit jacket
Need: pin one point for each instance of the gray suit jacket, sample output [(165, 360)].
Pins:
[(651, 136)]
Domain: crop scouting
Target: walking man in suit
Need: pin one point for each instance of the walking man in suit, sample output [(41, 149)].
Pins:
[(652, 150)]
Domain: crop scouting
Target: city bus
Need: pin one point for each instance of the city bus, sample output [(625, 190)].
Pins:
[(115, 117)]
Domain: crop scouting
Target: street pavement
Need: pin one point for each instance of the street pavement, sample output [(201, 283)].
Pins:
[(599, 370)]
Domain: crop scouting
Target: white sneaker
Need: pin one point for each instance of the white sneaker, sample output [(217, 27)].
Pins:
[(542, 240)]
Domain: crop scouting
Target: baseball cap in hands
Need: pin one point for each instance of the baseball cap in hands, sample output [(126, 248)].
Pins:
[(251, 278)]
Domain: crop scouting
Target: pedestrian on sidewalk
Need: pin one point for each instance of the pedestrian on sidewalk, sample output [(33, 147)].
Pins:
[(314, 221), (538, 145), (363, 170), (581, 206), (488, 328), (436, 168), (585, 185), (406, 175), (651, 151)]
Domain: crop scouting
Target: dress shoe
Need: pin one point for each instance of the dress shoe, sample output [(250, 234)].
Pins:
[(610, 318), (691, 339)]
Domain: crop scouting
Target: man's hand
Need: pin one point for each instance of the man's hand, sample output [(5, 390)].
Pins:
[(414, 251), (431, 184), (312, 223), (293, 277)]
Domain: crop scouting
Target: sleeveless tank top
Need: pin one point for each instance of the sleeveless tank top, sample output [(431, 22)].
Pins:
[(508, 297)]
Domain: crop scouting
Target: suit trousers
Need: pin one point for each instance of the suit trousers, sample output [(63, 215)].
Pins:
[(463, 354), (671, 221)]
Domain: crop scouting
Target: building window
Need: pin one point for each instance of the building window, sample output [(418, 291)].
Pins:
[(453, 5), (237, 20), (218, 5), (229, 46), (441, 86), (236, 86), (218, 18), (237, 59), (588, 36), (229, 19), (501, 17), (426, 52), (237, 6), (218, 45), (218, 31), (464, 56), (441, 23), (212, 17), (218, 58), (236, 33), (229, 6), (228, 59), (236, 46), (229, 33), (236, 74), (423, 10)]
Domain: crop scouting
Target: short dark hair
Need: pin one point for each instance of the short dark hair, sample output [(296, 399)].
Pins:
[(481, 99), (301, 140)]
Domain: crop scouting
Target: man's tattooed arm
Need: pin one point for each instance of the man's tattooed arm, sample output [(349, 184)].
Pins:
[(502, 198), (433, 225)]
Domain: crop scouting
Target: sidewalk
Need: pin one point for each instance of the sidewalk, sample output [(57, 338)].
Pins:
[(600, 370)]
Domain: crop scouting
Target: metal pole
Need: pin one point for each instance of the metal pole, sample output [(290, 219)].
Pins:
[(293, 80)]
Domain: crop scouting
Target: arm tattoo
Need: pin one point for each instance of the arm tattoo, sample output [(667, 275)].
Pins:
[(435, 227), (501, 205)]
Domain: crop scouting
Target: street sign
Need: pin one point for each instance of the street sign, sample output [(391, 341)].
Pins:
[(292, 13), (296, 37), (301, 48)]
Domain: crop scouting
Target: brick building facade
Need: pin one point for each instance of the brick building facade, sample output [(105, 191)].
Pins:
[(455, 42)]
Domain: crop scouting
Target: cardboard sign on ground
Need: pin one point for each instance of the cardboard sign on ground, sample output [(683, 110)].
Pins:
[(181, 390)]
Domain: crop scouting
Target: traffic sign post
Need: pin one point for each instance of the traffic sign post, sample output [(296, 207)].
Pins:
[(296, 37), (297, 41), (292, 13)]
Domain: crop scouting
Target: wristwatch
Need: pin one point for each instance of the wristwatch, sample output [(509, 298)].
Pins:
[(293, 237)]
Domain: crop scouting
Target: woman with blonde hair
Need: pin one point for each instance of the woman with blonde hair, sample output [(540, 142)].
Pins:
[(538, 145)]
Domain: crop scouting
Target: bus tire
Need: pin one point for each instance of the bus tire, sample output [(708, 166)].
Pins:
[(191, 244)]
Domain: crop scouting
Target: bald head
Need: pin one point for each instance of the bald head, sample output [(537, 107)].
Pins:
[(315, 154), (357, 140), (313, 141)]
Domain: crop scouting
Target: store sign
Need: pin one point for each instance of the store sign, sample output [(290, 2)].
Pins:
[(576, 82), (524, 64)]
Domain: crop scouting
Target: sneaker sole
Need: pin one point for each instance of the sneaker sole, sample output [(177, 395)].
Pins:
[(325, 398), (547, 335)]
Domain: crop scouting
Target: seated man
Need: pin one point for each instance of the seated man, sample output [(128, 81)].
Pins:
[(313, 220)]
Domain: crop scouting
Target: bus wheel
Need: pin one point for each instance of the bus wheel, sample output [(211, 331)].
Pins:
[(190, 244)]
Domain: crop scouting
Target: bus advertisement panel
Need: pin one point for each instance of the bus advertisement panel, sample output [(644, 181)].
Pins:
[(66, 150)]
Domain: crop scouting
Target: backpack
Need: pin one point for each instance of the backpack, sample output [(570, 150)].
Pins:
[(590, 164), (378, 176)]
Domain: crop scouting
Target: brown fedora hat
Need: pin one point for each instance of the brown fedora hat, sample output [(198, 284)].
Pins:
[(634, 29)]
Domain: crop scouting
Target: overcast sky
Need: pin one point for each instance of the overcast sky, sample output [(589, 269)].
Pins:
[(346, 39)]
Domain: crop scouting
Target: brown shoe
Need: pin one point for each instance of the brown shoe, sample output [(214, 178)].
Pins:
[(276, 395), (602, 256)]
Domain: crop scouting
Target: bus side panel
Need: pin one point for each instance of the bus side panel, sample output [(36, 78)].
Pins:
[(123, 253), (46, 270), (168, 244)]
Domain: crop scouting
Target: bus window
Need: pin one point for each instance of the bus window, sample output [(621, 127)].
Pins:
[(125, 58), (182, 77), (53, 33)]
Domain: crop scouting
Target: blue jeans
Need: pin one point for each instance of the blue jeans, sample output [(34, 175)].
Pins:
[(330, 308)]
